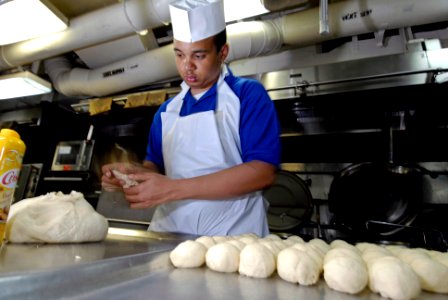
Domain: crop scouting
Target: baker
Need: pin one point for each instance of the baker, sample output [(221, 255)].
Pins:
[(214, 146)]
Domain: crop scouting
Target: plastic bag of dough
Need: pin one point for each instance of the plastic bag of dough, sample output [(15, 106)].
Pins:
[(55, 218)]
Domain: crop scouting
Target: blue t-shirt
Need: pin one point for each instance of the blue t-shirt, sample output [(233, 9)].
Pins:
[(259, 127)]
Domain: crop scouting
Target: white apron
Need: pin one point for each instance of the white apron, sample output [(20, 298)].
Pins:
[(199, 144)]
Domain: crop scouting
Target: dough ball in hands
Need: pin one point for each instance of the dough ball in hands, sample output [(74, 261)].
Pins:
[(256, 261), (124, 177), (223, 257), (393, 278), (296, 266), (188, 254), (346, 274)]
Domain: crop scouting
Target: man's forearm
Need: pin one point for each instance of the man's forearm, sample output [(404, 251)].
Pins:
[(232, 182)]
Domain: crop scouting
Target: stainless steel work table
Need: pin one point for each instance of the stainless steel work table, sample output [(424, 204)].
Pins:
[(133, 264)]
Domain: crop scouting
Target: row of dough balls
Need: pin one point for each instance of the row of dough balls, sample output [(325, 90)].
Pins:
[(392, 271)]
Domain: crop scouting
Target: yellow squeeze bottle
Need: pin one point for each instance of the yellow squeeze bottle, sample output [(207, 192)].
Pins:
[(12, 150)]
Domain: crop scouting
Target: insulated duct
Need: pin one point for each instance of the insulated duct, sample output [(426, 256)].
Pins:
[(155, 65), (90, 29), (350, 18), (249, 39), (136, 71)]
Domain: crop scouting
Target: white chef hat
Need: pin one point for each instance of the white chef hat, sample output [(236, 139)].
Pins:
[(195, 20)]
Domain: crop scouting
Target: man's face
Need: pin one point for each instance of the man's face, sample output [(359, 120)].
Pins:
[(198, 63)]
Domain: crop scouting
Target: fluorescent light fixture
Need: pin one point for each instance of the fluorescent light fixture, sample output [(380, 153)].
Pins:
[(241, 9), (22, 84), (26, 19)]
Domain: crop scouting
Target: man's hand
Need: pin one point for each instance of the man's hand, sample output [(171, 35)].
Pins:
[(115, 175), (152, 189)]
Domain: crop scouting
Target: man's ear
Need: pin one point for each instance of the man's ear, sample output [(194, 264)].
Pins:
[(224, 52)]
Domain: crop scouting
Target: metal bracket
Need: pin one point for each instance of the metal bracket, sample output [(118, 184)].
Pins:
[(379, 37)]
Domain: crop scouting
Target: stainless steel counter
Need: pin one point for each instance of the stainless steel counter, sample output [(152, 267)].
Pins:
[(118, 243), (132, 264)]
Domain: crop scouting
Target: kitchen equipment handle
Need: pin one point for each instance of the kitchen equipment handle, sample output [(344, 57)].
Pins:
[(63, 178), (424, 231)]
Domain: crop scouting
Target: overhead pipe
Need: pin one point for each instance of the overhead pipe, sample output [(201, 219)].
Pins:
[(248, 39), (154, 65), (254, 38), (103, 25), (348, 18)]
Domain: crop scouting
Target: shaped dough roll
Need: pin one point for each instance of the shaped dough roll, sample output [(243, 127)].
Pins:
[(272, 246), (239, 244), (432, 274), (342, 252), (336, 244), (247, 239), (188, 254), (321, 244), (272, 237), (345, 273), (395, 249), (372, 253), (316, 256), (442, 258), (363, 246), (223, 257), (221, 239), (295, 239), (393, 278), (409, 255), (256, 261), (207, 241), (296, 266)]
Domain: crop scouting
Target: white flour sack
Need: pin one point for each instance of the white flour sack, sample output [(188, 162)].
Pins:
[(55, 218)]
